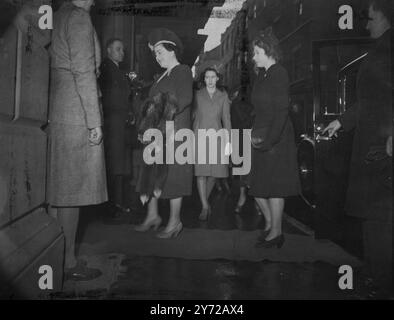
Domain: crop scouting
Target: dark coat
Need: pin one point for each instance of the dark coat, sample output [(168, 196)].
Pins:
[(274, 171), (180, 83), (241, 118), (371, 118), (241, 114), (115, 89)]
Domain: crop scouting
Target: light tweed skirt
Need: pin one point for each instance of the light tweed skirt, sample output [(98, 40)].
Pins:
[(76, 175)]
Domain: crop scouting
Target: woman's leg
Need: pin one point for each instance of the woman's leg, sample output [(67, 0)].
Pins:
[(153, 210), (210, 184), (152, 218), (265, 208), (242, 196), (68, 219), (202, 191), (175, 214), (276, 206), (226, 185)]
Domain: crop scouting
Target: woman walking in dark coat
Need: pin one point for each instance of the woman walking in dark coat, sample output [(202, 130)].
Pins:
[(274, 173), (176, 80)]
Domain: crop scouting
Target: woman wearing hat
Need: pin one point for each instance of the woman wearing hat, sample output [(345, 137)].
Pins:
[(274, 173), (178, 80)]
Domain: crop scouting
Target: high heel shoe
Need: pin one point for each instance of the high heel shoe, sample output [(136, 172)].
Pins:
[(277, 241), (173, 233), (263, 235), (155, 224), (205, 213)]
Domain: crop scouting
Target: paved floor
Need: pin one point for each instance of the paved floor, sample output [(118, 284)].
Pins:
[(175, 278), (222, 280)]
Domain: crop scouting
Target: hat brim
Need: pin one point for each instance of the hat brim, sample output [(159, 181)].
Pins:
[(161, 36), (161, 42)]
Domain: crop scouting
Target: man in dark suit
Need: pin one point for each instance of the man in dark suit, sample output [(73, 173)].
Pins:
[(369, 193), (115, 88)]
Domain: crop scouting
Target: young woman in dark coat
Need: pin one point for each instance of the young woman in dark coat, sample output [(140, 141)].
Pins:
[(274, 173)]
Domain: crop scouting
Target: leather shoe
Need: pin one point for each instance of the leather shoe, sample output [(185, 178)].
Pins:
[(81, 272)]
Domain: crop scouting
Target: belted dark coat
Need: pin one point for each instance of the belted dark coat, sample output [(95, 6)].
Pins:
[(371, 118)]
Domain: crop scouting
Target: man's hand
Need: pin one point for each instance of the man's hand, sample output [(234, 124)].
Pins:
[(389, 146), (332, 128), (95, 136)]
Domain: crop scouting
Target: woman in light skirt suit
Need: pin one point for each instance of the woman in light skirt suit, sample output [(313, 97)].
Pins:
[(212, 112)]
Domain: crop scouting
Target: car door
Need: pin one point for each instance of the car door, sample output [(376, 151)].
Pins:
[(335, 67)]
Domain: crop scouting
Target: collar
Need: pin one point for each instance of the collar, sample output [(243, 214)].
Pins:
[(214, 93), (167, 72), (116, 63)]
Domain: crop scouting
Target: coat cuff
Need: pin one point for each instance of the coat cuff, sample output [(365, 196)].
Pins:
[(93, 123)]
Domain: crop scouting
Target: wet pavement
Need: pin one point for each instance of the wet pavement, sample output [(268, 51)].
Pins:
[(150, 277), (165, 278)]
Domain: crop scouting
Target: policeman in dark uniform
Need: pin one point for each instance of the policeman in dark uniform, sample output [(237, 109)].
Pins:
[(115, 87)]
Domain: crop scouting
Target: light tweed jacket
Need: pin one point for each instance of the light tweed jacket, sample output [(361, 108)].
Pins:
[(75, 58), (76, 168)]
